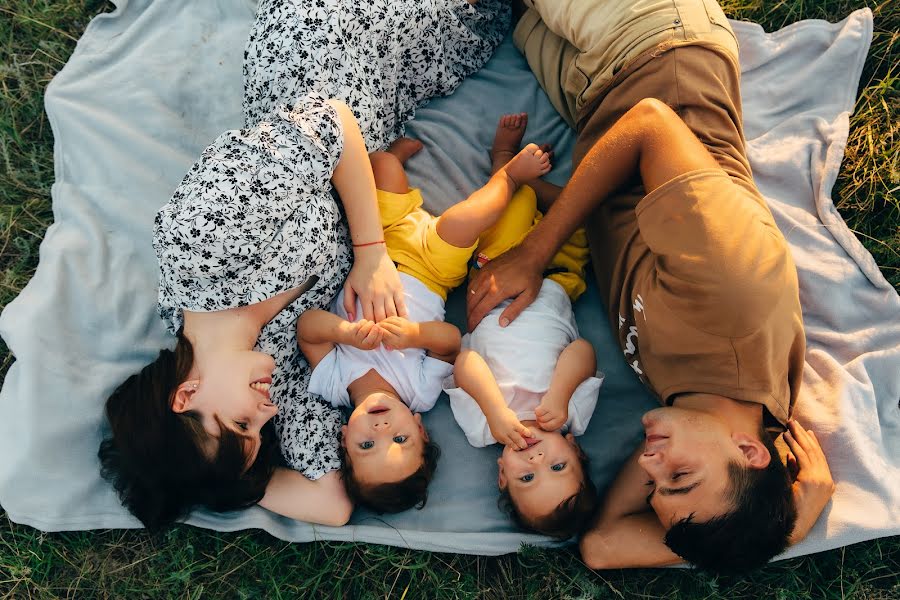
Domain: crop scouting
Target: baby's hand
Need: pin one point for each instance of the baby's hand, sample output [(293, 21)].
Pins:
[(399, 333), (508, 430), (551, 414), (364, 334)]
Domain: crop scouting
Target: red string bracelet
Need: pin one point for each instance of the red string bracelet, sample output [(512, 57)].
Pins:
[(368, 244)]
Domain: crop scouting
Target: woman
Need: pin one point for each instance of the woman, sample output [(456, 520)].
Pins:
[(252, 238)]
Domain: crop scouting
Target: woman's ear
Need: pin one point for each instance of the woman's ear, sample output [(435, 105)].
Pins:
[(756, 453), (343, 436), (183, 398)]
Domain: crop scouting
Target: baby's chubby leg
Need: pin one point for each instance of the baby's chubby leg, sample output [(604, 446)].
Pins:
[(462, 224), (387, 166), (507, 141)]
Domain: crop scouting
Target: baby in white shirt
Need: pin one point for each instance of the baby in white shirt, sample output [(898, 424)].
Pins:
[(388, 372), (532, 385)]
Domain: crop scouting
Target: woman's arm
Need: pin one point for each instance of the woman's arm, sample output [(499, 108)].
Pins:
[(374, 277), (650, 140), (323, 501)]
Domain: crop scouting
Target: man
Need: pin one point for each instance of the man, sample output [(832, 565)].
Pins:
[(700, 285)]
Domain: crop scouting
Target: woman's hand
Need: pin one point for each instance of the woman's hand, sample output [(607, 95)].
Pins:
[(374, 279), (512, 275), (813, 485)]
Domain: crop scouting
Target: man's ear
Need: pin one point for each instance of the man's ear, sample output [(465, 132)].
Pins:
[(756, 453), (183, 398), (343, 436), (501, 476)]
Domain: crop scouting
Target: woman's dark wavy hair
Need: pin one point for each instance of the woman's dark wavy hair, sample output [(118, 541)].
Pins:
[(756, 529), (155, 457), (396, 496)]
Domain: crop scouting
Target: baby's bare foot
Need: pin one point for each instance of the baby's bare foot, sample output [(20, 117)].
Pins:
[(403, 148), (530, 163), (507, 139)]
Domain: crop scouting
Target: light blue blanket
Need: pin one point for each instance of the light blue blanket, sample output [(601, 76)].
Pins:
[(152, 83)]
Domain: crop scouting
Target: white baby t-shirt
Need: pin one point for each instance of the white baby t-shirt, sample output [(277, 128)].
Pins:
[(522, 357), (415, 376)]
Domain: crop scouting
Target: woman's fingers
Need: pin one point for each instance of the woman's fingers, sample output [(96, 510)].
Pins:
[(378, 308), (390, 308), (349, 301)]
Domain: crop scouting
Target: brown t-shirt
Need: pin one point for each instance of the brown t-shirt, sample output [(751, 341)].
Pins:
[(700, 284), (711, 301)]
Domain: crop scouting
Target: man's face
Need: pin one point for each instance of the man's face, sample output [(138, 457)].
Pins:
[(686, 457)]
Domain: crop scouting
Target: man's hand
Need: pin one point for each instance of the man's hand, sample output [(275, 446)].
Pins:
[(399, 333), (813, 485), (363, 334), (507, 429), (512, 275), (552, 413)]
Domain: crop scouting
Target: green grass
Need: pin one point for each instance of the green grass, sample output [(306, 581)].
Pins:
[(36, 39)]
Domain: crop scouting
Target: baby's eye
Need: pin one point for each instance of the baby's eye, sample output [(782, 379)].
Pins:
[(367, 444), (526, 477), (558, 466), (649, 482), (400, 438), (242, 425)]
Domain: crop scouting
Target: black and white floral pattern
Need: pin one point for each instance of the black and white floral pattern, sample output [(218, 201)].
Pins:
[(254, 217), (384, 58)]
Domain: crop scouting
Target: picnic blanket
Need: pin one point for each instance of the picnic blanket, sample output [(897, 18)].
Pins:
[(151, 84)]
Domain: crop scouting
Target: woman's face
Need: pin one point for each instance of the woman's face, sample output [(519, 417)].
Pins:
[(231, 389)]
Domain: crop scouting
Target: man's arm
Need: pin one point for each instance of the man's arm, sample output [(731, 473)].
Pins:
[(813, 485), (627, 533), (323, 501), (650, 140)]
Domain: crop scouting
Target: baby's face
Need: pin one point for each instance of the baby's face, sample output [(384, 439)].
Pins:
[(540, 477), (384, 440)]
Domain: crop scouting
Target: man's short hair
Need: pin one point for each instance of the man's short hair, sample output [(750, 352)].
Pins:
[(747, 537), (570, 517), (396, 496)]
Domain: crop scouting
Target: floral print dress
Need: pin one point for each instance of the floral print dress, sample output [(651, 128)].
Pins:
[(255, 215), (384, 58)]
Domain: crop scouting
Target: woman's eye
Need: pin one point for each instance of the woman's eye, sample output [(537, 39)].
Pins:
[(527, 477), (649, 482), (367, 444), (242, 425), (678, 476), (558, 466), (400, 438)]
